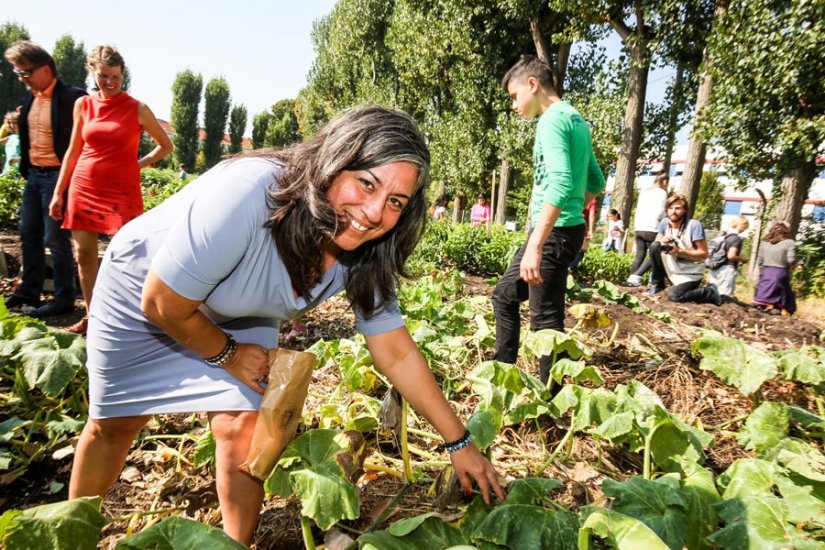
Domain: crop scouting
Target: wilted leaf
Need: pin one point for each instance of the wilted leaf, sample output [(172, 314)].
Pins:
[(205, 449)]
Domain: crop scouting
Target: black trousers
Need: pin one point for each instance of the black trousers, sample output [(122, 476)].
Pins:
[(642, 240), (546, 299), (685, 292)]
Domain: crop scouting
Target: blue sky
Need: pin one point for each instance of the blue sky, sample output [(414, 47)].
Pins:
[(261, 48)]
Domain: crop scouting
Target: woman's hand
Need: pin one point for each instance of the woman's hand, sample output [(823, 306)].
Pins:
[(470, 463), (56, 208), (250, 365)]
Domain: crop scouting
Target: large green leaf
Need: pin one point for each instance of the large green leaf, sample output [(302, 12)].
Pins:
[(525, 526), (552, 342), (484, 426), (702, 496), (802, 459), (428, 534), (70, 525), (807, 364), (759, 523), (577, 371), (748, 477), (620, 531), (179, 533), (205, 449), (532, 490), (316, 466), (658, 504), (326, 495), (50, 361), (766, 426), (805, 508), (734, 361)]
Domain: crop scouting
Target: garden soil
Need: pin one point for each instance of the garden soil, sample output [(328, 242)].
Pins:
[(160, 476)]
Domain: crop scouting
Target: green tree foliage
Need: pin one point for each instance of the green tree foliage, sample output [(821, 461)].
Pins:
[(260, 125), (215, 114), (283, 124), (70, 58), (767, 110), (237, 126), (186, 95), (711, 201), (11, 90)]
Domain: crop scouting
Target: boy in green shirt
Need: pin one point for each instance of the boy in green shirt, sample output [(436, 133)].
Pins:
[(565, 178)]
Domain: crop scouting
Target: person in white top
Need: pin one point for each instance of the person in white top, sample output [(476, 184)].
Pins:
[(649, 211), (615, 232)]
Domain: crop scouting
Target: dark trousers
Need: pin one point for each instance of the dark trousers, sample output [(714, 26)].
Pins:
[(37, 231), (546, 300), (642, 240), (685, 292)]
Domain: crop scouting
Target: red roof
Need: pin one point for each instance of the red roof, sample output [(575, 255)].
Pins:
[(246, 144)]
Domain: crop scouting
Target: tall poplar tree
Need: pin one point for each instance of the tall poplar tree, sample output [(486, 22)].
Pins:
[(11, 90), (70, 58), (186, 96), (283, 124), (260, 125), (237, 126), (215, 115)]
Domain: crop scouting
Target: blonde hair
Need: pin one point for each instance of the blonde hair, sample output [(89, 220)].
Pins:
[(105, 55), (740, 223)]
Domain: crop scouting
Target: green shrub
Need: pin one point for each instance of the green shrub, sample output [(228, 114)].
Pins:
[(468, 248), (598, 264), (11, 194), (153, 195), (160, 177), (809, 280)]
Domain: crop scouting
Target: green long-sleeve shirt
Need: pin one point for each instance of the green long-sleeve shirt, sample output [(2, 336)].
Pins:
[(564, 166)]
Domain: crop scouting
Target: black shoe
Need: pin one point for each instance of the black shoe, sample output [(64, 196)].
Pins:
[(52, 308), (17, 300)]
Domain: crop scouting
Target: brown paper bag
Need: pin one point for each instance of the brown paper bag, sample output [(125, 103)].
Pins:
[(281, 408)]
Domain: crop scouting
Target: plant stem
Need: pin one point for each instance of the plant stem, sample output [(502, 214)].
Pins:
[(405, 449), (306, 531), (370, 467), (146, 513), (648, 442), (558, 448)]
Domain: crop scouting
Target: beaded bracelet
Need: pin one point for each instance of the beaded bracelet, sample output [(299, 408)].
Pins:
[(226, 354), (458, 444)]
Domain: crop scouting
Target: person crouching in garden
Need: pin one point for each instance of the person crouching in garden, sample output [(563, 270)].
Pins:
[(101, 169), (678, 254), (191, 294), (566, 177)]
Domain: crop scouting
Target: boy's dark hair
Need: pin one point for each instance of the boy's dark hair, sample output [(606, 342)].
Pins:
[(662, 176), (527, 66), (30, 53)]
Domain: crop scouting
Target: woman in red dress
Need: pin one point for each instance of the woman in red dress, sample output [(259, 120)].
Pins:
[(101, 168)]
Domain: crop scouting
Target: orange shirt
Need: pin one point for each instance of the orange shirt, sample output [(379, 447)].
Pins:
[(41, 148)]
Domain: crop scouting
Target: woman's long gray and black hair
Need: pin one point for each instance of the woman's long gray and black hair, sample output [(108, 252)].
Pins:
[(303, 221)]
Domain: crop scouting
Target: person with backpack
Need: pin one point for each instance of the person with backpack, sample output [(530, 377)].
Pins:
[(724, 257), (678, 254)]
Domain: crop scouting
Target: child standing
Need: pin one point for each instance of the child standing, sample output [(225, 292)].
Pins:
[(615, 232), (565, 178)]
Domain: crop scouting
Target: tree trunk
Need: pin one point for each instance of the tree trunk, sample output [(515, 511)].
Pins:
[(503, 186), (673, 119), (558, 66), (794, 188), (695, 162), (632, 132), (458, 207)]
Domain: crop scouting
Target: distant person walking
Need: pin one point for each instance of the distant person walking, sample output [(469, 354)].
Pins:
[(480, 213), (12, 142), (777, 258), (566, 176), (439, 208), (45, 129), (182, 175), (724, 276), (101, 169), (650, 210)]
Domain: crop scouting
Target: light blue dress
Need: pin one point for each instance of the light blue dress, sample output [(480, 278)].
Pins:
[(208, 242)]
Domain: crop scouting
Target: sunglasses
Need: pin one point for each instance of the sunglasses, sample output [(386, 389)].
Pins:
[(25, 73)]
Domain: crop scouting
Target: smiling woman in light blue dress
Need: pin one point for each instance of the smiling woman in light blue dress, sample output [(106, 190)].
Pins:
[(190, 295)]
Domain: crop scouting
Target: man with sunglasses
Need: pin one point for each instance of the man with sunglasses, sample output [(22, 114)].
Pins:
[(45, 130)]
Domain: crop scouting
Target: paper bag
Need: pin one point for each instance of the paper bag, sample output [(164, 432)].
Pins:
[(281, 408)]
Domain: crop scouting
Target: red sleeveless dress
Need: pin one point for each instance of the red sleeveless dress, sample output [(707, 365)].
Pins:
[(104, 192)]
